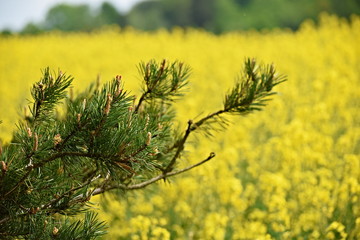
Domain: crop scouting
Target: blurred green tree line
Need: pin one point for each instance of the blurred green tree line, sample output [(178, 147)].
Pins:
[(213, 15)]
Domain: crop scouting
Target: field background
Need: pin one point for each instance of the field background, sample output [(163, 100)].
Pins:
[(291, 171)]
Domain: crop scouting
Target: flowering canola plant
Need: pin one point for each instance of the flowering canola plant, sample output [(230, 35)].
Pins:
[(291, 171)]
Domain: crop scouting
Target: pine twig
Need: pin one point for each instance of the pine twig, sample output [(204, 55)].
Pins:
[(152, 180), (248, 95), (180, 148)]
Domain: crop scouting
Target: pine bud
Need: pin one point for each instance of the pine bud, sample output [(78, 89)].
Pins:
[(60, 170), (34, 210), (154, 152), (36, 142), (108, 104), (147, 121), (29, 132), (148, 139), (78, 117), (4, 168), (118, 85), (84, 104), (160, 126), (57, 139), (55, 231)]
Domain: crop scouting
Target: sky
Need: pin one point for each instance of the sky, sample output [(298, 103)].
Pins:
[(14, 14)]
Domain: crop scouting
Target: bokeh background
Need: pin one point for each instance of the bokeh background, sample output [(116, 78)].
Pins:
[(291, 171), (218, 16)]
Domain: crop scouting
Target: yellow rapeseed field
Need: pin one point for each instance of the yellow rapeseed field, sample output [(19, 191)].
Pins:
[(291, 171)]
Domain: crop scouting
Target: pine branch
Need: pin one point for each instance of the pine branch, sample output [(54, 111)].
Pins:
[(180, 147), (254, 88), (52, 203), (105, 188), (89, 228), (152, 180), (250, 93), (54, 165), (48, 92), (48, 160), (164, 81)]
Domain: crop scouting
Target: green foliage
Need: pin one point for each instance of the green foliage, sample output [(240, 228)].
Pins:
[(147, 15), (105, 140), (47, 93), (32, 28), (108, 15), (69, 18), (89, 228), (227, 15), (163, 82), (213, 15), (253, 91)]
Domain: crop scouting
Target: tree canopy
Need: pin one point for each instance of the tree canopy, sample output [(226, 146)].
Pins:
[(213, 15)]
